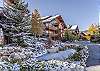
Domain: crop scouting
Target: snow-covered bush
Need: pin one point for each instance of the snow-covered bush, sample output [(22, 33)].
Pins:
[(55, 65)]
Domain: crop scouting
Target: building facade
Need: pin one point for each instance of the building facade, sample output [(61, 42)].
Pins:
[(54, 26)]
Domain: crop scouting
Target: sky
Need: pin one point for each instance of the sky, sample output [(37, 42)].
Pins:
[(74, 12)]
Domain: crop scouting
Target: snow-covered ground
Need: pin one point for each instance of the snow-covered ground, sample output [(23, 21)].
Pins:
[(93, 61), (93, 68), (61, 55), (56, 61), (56, 65)]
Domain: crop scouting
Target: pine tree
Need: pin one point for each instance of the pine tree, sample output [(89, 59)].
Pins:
[(17, 11)]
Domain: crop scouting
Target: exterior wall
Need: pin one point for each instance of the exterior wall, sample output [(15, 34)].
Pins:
[(61, 25), (75, 31), (55, 28)]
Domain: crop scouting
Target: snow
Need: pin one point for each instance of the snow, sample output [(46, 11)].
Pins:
[(16, 56), (51, 18), (16, 67), (93, 68), (54, 61), (74, 27), (56, 65), (45, 21), (42, 18), (61, 55)]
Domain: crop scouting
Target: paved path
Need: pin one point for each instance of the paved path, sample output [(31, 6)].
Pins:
[(93, 61), (61, 55), (94, 55)]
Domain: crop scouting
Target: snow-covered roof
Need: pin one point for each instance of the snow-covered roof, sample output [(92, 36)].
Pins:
[(45, 21), (74, 27), (53, 17), (45, 17), (50, 19)]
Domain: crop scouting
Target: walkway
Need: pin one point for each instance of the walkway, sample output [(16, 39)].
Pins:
[(94, 55), (93, 61)]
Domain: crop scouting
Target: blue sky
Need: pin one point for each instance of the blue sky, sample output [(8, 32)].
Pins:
[(80, 12)]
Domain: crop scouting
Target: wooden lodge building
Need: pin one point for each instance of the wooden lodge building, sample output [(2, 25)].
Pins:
[(54, 26), (74, 29)]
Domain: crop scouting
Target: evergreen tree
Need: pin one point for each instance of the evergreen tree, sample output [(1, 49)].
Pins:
[(17, 11)]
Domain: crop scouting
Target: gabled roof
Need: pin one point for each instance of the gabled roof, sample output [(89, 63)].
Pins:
[(46, 21), (45, 17), (74, 27), (51, 18)]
